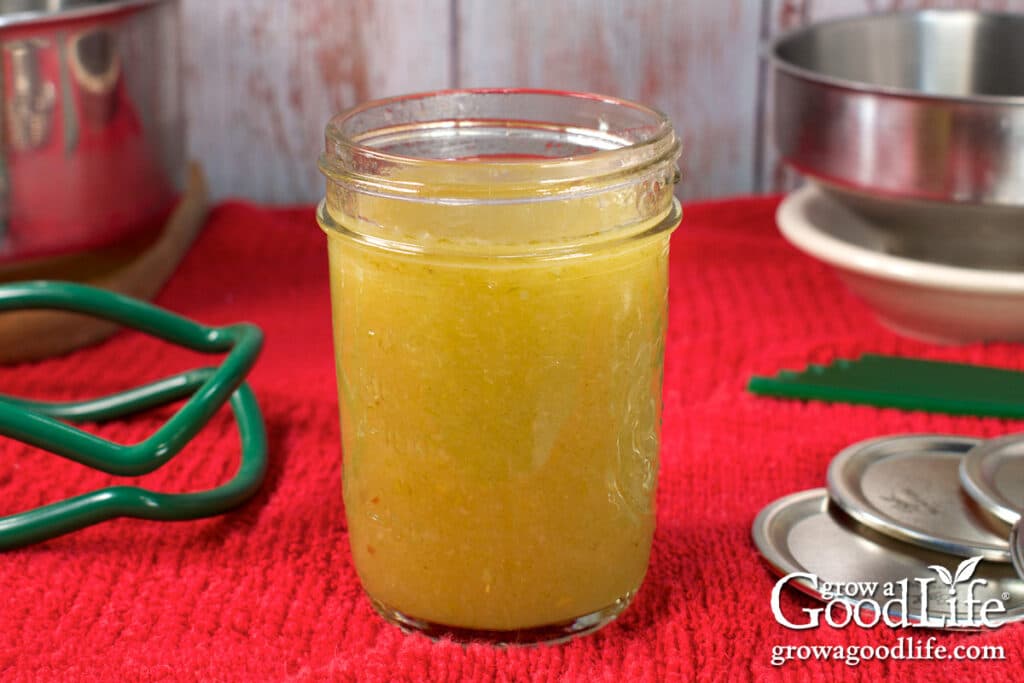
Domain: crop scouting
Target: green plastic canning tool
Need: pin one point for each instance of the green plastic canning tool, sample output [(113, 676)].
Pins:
[(46, 425), (908, 383)]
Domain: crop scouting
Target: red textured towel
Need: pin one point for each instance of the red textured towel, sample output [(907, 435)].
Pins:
[(268, 592)]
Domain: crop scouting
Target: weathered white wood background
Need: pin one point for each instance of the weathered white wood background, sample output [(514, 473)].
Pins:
[(263, 76)]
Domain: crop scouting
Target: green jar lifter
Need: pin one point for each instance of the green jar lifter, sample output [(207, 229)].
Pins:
[(46, 425)]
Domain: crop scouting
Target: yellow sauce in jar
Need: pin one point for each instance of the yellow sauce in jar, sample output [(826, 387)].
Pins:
[(500, 430), (499, 371)]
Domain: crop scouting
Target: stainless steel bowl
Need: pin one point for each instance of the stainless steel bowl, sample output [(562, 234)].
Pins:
[(925, 105), (93, 145)]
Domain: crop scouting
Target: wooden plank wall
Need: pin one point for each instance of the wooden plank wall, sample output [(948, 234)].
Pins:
[(677, 56), (263, 76)]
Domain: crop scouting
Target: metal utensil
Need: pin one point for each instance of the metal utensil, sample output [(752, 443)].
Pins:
[(92, 121), (925, 105)]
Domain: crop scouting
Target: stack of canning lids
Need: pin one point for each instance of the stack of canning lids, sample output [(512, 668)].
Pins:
[(917, 529)]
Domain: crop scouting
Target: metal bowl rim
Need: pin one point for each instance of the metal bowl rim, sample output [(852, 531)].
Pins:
[(100, 9), (861, 87)]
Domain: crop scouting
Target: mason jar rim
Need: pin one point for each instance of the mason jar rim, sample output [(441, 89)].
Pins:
[(334, 133), (349, 160)]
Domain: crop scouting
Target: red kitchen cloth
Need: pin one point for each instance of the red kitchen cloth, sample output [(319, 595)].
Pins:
[(268, 592)]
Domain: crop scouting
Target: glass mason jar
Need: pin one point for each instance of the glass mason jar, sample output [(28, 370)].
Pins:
[(498, 267)]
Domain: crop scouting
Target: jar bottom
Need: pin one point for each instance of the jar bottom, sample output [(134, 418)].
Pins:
[(548, 634)]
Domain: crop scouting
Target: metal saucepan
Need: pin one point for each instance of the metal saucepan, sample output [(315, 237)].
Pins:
[(93, 146)]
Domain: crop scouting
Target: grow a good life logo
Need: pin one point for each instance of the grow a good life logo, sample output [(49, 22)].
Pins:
[(948, 599)]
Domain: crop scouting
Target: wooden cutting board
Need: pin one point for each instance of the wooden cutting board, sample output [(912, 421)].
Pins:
[(138, 270)]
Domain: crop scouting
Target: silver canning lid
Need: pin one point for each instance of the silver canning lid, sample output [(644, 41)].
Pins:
[(803, 533), (1017, 548), (993, 475), (908, 487)]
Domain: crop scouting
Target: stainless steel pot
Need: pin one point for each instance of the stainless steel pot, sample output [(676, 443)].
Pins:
[(93, 139), (925, 105)]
